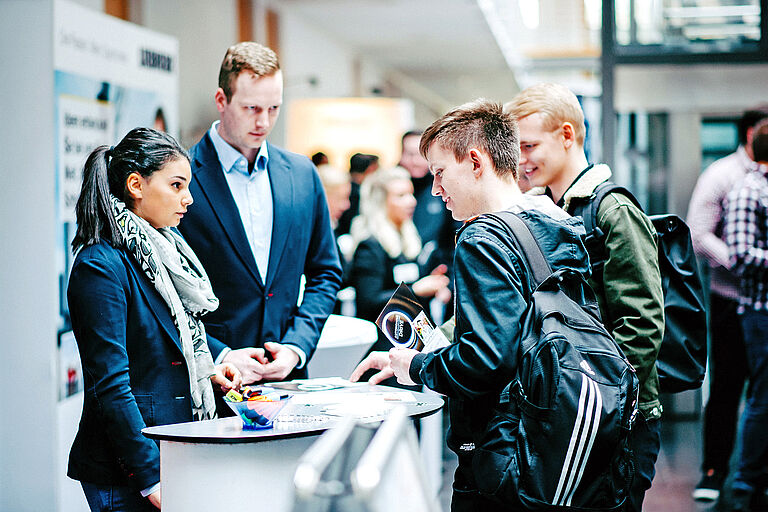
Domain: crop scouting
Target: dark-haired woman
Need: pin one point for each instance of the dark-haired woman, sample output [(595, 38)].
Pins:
[(136, 294)]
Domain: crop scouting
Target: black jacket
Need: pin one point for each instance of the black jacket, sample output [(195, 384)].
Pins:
[(492, 289)]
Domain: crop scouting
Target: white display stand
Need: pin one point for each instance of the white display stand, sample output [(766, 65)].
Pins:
[(343, 343), (216, 465)]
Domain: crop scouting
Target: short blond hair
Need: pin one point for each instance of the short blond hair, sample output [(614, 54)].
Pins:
[(246, 56), (555, 103)]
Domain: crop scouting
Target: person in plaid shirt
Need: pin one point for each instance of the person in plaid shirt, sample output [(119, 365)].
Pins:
[(728, 360), (746, 234)]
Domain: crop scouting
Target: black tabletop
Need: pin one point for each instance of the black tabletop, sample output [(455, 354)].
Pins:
[(307, 413)]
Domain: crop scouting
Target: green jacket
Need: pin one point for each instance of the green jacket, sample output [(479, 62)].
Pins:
[(631, 297)]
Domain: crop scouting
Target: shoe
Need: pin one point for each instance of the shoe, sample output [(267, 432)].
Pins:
[(709, 486)]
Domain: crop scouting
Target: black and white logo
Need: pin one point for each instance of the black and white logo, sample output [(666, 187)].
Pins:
[(398, 328)]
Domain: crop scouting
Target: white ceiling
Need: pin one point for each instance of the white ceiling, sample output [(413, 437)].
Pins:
[(441, 47), (446, 47)]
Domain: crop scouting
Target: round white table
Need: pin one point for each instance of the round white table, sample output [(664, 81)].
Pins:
[(216, 465)]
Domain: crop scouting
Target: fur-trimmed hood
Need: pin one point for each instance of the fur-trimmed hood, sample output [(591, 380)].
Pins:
[(583, 186)]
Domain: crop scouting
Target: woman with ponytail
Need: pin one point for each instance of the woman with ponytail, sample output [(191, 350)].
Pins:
[(136, 296)]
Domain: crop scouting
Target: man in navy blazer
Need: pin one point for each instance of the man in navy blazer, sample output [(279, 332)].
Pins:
[(259, 222)]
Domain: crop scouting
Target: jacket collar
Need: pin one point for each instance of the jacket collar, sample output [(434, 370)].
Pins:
[(214, 185), (582, 188), (586, 184), (281, 179)]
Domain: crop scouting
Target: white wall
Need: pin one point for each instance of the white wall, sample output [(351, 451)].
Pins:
[(316, 65), (688, 93), (205, 30), (28, 277), (691, 88)]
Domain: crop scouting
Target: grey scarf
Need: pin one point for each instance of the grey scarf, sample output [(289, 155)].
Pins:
[(171, 265)]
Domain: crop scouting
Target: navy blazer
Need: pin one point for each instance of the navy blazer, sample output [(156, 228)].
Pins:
[(133, 369), (252, 312)]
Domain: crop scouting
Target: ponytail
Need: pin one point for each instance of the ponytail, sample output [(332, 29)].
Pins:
[(93, 210), (143, 151)]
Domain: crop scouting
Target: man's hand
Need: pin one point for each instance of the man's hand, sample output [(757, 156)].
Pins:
[(400, 362), (155, 499), (283, 361), (374, 361), (227, 376), (250, 362)]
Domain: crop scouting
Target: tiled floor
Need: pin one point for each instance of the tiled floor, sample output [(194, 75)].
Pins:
[(677, 471)]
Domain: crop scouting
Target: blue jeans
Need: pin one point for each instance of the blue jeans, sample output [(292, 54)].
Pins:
[(754, 442), (645, 440), (115, 498)]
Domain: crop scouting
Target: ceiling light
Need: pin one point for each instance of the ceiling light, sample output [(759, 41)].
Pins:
[(529, 12)]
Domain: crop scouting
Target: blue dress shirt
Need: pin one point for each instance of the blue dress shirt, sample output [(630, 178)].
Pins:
[(252, 193)]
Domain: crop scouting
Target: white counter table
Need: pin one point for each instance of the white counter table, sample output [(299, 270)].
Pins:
[(216, 465), (343, 342)]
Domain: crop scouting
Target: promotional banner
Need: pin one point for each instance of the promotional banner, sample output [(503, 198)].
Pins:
[(110, 76)]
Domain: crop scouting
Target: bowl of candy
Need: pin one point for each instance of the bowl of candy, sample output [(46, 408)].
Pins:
[(257, 407)]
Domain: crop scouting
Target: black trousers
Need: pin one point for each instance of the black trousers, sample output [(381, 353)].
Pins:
[(728, 372), (466, 498), (645, 440)]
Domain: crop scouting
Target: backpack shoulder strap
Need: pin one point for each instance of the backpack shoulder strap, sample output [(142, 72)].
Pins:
[(592, 204), (534, 257)]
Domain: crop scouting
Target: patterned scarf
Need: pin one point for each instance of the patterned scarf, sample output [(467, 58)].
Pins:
[(171, 265)]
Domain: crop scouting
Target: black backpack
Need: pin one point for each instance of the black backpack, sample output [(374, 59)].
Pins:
[(559, 437), (682, 358)]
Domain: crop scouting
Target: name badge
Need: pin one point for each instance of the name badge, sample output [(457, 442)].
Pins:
[(405, 273)]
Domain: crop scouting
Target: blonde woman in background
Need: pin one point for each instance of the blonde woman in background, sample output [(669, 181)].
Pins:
[(387, 247)]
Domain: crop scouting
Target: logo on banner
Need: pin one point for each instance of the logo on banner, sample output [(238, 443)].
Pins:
[(154, 60)]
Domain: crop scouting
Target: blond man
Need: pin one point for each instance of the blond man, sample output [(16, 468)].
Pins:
[(628, 286)]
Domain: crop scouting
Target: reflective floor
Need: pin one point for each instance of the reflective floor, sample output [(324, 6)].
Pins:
[(677, 472)]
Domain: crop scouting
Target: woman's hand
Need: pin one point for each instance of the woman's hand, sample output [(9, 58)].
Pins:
[(227, 376)]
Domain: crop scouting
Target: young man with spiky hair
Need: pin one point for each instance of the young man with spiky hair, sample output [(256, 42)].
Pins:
[(473, 153)]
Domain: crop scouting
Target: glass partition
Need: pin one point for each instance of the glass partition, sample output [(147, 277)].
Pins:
[(687, 27)]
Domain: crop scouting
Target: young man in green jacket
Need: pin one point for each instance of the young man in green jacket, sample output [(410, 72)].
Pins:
[(631, 299)]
